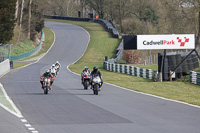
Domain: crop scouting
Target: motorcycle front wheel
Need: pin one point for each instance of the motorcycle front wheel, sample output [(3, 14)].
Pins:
[(96, 89), (86, 84), (46, 89)]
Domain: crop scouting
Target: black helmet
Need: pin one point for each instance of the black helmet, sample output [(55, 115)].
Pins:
[(95, 68)]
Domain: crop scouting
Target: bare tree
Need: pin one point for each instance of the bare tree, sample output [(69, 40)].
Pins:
[(183, 17), (21, 14), (83, 4), (98, 6), (16, 10), (29, 19)]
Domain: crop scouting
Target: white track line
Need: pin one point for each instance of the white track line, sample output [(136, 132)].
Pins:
[(142, 93), (83, 52), (17, 113), (24, 120), (28, 125), (31, 129)]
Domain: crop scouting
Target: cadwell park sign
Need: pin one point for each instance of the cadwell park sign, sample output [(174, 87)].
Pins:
[(174, 41)]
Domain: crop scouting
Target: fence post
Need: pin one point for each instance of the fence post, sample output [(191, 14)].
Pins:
[(123, 69), (198, 78), (130, 70)]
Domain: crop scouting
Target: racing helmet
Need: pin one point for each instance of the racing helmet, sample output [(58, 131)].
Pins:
[(95, 68), (48, 71), (86, 68)]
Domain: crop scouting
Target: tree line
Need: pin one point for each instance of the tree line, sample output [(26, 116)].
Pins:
[(137, 16), (129, 16), (25, 17)]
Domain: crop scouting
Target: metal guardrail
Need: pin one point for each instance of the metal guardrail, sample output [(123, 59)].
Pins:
[(108, 25), (27, 54), (195, 77), (119, 53), (131, 70)]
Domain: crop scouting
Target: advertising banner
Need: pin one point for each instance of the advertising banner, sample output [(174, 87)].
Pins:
[(173, 41)]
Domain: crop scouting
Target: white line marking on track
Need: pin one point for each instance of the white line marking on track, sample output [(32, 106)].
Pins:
[(24, 120), (27, 125), (153, 96), (17, 113), (83, 52), (35, 132), (31, 128)]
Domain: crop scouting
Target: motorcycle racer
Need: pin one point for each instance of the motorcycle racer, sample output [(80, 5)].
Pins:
[(53, 70), (95, 73), (57, 67), (57, 64), (84, 70), (47, 74)]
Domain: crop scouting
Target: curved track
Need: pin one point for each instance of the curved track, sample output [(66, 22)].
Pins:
[(70, 109)]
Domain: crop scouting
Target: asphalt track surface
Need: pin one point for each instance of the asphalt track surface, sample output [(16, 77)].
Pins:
[(70, 109)]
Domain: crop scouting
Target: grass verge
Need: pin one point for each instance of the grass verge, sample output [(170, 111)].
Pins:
[(101, 45), (49, 39), (22, 47)]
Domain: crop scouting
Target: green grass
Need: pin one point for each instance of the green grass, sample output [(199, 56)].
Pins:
[(49, 38), (17, 65), (102, 45), (197, 69), (153, 66), (22, 47)]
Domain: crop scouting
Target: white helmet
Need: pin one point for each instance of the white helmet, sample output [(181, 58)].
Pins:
[(53, 65), (86, 67), (48, 71), (57, 62)]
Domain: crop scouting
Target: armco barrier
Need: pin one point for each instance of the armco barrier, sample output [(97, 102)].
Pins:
[(108, 25), (4, 67), (27, 54), (131, 70), (195, 77)]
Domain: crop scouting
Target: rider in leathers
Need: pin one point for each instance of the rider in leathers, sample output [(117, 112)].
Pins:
[(94, 73), (47, 74), (57, 65), (85, 70)]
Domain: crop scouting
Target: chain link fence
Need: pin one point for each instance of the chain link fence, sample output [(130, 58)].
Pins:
[(5, 50)]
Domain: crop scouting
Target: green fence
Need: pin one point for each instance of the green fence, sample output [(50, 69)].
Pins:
[(195, 77), (131, 70), (27, 54)]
